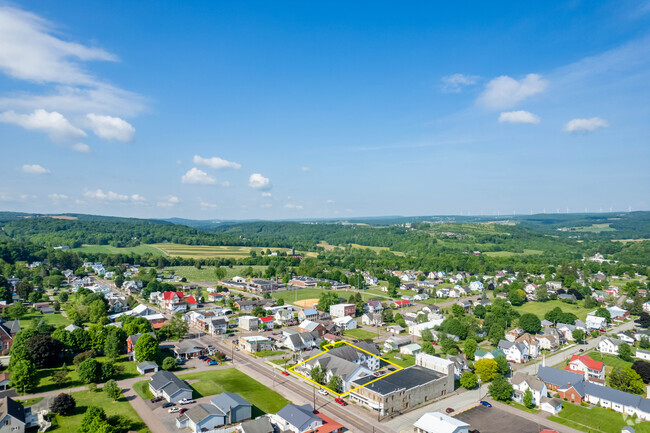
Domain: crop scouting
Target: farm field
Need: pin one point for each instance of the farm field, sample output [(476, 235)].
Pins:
[(540, 308), (84, 399), (107, 249), (214, 382), (205, 251)]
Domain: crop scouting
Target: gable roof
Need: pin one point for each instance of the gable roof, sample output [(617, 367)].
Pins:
[(439, 423), (168, 296), (164, 380), (227, 401), (202, 411), (588, 362), (557, 377), (190, 299), (11, 407), (532, 381), (298, 416)]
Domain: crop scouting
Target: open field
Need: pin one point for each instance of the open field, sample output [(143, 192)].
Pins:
[(509, 254), (214, 382), (205, 251), (107, 249), (360, 334), (206, 273), (540, 308), (142, 388), (596, 419), (594, 228), (84, 399), (290, 296), (307, 303), (406, 361), (55, 319)]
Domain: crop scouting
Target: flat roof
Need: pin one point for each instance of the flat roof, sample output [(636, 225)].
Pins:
[(403, 379)]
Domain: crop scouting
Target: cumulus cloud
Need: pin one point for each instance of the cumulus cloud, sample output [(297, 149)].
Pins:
[(54, 124), (293, 206), (454, 83), (99, 194), (586, 125), (505, 91), (81, 147), (35, 169), (330, 202), (110, 128), (215, 162), (33, 50), (138, 198), (57, 197), (257, 181), (196, 176), (206, 205), (520, 116), (168, 201)]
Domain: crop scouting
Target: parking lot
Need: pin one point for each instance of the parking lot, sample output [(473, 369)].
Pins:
[(495, 420)]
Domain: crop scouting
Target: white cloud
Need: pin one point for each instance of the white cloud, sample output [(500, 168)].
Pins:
[(586, 125), (52, 123), (99, 194), (196, 176), (267, 194), (57, 197), (81, 147), (257, 181), (505, 92), (455, 83), (110, 128), (33, 50), (520, 116), (34, 169), (168, 201), (330, 202), (304, 168), (206, 205), (138, 198), (293, 206), (215, 162)]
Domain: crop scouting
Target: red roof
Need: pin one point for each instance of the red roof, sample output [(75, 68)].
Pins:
[(586, 360), (329, 425), (190, 300), (168, 296), (403, 302), (158, 325), (266, 319)]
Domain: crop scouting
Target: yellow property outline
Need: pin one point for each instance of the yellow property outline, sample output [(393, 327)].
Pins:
[(326, 349)]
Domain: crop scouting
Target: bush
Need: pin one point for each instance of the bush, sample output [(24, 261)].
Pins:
[(90, 371), (63, 404), (81, 357), (112, 390), (170, 363)]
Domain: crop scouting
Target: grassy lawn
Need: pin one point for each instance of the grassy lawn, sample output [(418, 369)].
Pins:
[(282, 361), (291, 296), (610, 361), (595, 419), (206, 273), (55, 319), (202, 251), (540, 308), (215, 382), (142, 388), (31, 401), (84, 399), (360, 334), (45, 382), (522, 407), (406, 361), (265, 353), (107, 249)]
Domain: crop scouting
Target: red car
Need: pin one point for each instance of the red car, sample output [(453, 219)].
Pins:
[(182, 411), (449, 410), (340, 401), (286, 373)]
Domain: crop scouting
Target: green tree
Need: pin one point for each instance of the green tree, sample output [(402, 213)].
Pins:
[(428, 348), (280, 302), (530, 323), (24, 376), (458, 310), (169, 363), (17, 310), (334, 384), (220, 273), (541, 294), (327, 299), (625, 352), (486, 369), (578, 335), (112, 390), (627, 380), (528, 399), (112, 346), (317, 374), (603, 312), (146, 348), (497, 333), (387, 315), (60, 377), (90, 371), (503, 365), (98, 312), (517, 297), (63, 404), (469, 348), (500, 389), (468, 380), (119, 281), (178, 326), (426, 335)]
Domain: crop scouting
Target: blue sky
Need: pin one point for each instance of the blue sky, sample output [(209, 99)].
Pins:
[(241, 110)]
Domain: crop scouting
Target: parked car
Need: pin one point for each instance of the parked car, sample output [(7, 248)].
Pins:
[(174, 410), (486, 403), (286, 373), (340, 401), (168, 405), (156, 399), (581, 350), (182, 411), (202, 357), (186, 401), (213, 362), (322, 391), (449, 410)]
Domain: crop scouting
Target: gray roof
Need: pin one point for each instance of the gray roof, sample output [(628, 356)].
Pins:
[(147, 364), (558, 377), (350, 353), (505, 345), (403, 379), (298, 416), (532, 381), (546, 323), (13, 408), (227, 401), (259, 425), (134, 338), (164, 380), (337, 366), (13, 326), (219, 321), (187, 346), (201, 411)]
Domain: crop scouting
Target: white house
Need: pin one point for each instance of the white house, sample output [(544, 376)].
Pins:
[(410, 349), (609, 345), (346, 323), (521, 382), (372, 319), (596, 322), (551, 405), (642, 354), (436, 422), (514, 351)]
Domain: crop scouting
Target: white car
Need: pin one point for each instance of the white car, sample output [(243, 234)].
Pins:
[(174, 409), (322, 391), (186, 401)]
